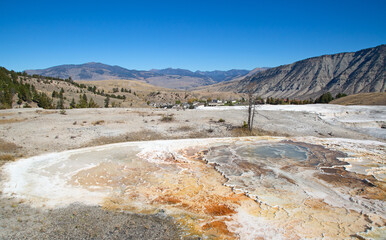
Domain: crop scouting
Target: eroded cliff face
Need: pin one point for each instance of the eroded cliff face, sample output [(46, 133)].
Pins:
[(354, 72), (233, 188)]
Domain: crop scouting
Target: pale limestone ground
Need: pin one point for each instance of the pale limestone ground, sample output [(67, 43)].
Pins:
[(145, 177), (40, 131)]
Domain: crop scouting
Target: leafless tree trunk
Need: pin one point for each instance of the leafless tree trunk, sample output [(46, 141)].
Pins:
[(251, 105), (252, 117), (251, 111)]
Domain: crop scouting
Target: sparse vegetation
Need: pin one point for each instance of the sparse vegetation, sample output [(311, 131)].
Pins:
[(92, 104), (26, 105), (8, 147), (99, 122), (167, 118), (27, 91), (144, 135), (9, 151), (324, 98), (284, 101), (199, 134), (107, 101), (244, 132), (72, 104), (339, 95), (11, 86), (184, 129), (7, 157), (83, 103), (11, 120)]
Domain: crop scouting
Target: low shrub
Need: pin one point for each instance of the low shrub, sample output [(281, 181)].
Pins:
[(167, 118), (7, 157)]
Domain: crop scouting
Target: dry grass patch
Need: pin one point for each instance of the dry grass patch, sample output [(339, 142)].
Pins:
[(7, 114), (8, 147), (184, 129), (167, 118), (143, 114), (7, 157), (99, 122), (11, 120), (362, 99), (144, 135), (244, 132), (201, 134), (46, 111), (9, 151)]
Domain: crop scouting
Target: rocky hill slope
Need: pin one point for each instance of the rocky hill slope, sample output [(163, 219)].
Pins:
[(350, 73)]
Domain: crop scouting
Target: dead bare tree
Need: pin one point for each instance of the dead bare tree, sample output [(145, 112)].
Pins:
[(251, 111), (251, 107)]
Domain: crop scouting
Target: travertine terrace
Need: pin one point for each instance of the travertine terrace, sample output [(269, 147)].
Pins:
[(320, 183)]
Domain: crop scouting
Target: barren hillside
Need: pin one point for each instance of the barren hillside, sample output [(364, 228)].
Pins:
[(353, 72)]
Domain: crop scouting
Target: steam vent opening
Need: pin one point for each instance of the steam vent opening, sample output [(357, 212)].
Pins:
[(229, 188)]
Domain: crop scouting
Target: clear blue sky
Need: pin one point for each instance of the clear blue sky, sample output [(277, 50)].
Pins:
[(196, 35)]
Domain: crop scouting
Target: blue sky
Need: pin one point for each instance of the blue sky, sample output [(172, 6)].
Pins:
[(195, 35)]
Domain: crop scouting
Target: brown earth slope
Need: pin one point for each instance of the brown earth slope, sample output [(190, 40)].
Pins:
[(154, 94), (362, 99)]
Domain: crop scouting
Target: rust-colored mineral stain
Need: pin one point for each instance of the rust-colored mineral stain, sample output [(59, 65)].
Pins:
[(361, 185), (218, 228), (316, 204), (189, 184), (168, 200), (219, 210)]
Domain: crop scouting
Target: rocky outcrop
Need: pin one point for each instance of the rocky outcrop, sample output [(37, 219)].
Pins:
[(350, 73)]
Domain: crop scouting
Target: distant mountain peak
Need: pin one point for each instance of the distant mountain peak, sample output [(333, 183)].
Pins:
[(168, 77)]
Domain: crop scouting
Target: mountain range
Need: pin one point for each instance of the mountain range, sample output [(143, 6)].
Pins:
[(350, 73), (169, 77)]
